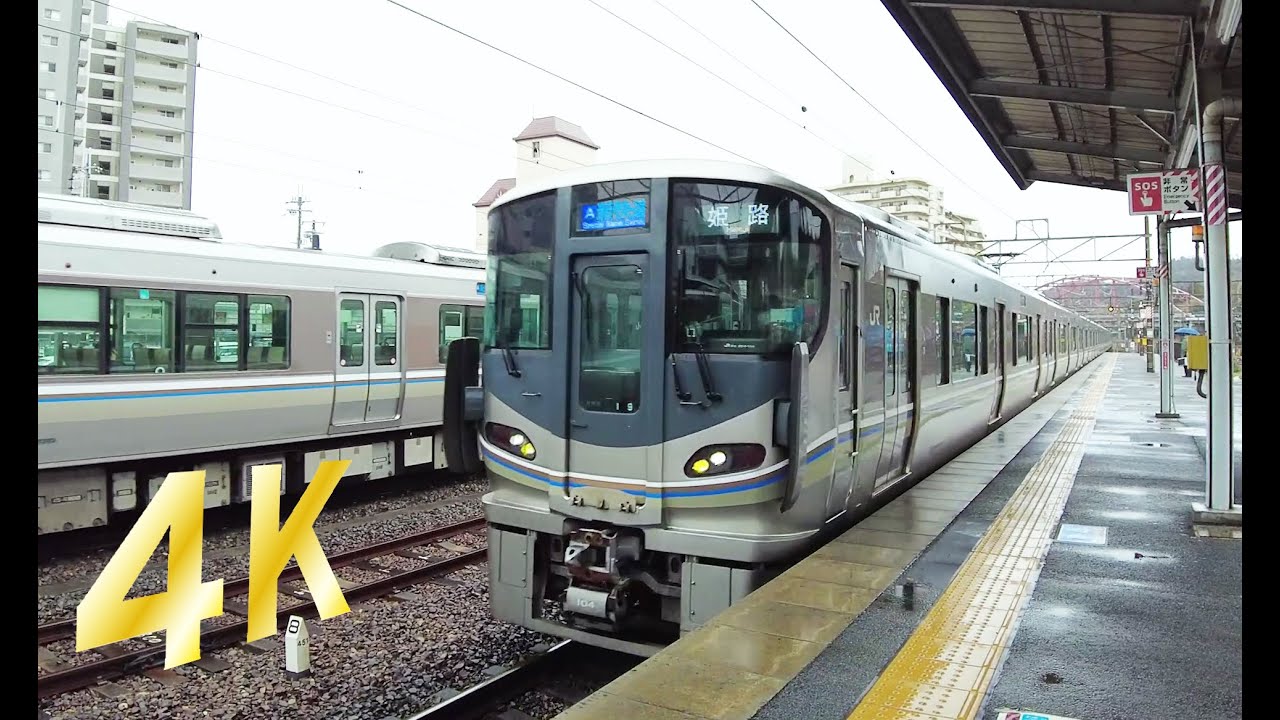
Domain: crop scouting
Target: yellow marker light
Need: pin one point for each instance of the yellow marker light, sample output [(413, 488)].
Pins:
[(701, 466), (718, 458), (517, 440), (527, 449)]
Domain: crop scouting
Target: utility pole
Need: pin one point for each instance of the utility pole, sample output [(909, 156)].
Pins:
[(298, 202), (1147, 326)]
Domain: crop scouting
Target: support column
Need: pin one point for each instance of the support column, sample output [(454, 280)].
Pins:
[(1147, 340), (1167, 409), (1220, 469)]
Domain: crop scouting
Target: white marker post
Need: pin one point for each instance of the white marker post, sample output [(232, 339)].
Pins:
[(297, 649)]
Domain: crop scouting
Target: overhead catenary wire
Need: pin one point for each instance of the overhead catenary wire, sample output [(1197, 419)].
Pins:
[(578, 85), (879, 111), (722, 79), (205, 68), (187, 155)]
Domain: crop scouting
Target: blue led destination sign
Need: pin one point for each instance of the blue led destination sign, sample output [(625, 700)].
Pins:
[(614, 214)]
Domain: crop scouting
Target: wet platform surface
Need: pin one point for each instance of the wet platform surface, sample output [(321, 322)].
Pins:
[(958, 598)]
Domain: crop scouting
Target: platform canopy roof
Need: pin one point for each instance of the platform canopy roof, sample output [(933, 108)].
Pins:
[(1084, 92)]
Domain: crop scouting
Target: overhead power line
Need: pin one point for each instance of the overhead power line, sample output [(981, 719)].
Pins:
[(880, 112), (415, 128), (576, 84)]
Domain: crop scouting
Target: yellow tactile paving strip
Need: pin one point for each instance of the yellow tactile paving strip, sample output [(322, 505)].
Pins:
[(731, 667), (946, 668)]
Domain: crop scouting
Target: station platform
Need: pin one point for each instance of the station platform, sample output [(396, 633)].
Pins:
[(1050, 572)]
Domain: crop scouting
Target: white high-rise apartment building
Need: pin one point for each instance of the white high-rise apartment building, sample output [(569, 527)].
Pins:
[(916, 201), (116, 106)]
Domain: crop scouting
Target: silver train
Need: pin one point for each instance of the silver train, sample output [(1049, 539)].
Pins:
[(694, 371), (165, 348)]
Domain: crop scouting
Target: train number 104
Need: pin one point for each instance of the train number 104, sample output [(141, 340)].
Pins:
[(104, 616)]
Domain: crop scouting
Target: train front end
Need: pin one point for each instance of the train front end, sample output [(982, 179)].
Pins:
[(649, 344)]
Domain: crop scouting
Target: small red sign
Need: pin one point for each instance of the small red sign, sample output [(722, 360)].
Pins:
[(1142, 273), (1145, 194)]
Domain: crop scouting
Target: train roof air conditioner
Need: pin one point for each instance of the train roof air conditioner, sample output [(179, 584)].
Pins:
[(128, 217), (433, 254)]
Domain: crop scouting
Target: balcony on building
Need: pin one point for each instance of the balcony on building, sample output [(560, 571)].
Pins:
[(160, 142), (155, 168), (102, 119), (153, 195), (171, 96), (163, 44), (160, 69), (156, 118)]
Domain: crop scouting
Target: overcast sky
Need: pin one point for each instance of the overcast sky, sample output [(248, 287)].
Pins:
[(414, 121)]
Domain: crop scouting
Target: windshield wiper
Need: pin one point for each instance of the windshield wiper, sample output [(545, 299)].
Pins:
[(509, 359), (704, 372)]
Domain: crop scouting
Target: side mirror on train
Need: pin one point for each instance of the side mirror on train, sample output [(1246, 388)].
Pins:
[(461, 371), (797, 428)]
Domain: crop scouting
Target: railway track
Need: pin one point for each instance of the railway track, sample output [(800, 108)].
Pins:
[(539, 673), (119, 663)]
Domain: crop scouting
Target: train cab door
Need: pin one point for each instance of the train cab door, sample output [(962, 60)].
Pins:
[(899, 379), (614, 395), (846, 452), (1000, 364), (369, 382)]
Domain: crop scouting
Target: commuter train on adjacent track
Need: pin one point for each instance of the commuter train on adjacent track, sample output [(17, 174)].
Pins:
[(665, 339), (164, 348)]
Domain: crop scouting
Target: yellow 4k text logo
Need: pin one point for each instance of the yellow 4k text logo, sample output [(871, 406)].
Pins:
[(104, 616)]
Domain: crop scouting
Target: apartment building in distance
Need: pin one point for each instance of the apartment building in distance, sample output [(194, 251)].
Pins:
[(915, 200), (116, 106), (547, 145)]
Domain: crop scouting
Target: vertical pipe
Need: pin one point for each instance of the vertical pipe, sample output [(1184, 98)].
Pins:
[(1220, 469), (1146, 325), (1167, 409)]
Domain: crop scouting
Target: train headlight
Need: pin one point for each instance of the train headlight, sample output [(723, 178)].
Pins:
[(511, 440), (720, 459)]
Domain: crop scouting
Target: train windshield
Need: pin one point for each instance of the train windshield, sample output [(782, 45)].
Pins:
[(748, 270), (518, 291)]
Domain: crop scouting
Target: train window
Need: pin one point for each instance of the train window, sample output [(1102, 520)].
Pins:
[(1024, 338), (890, 347), (386, 333), (69, 329), (906, 332), (351, 333), (984, 342), (618, 207), (749, 269), (846, 308), (964, 340), (941, 323), (268, 333), (211, 332), (458, 321), (1017, 327), (143, 324), (611, 338), (518, 296), (1062, 339)]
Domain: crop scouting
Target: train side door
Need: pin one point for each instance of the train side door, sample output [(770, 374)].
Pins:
[(351, 390), (899, 379), (846, 451), (386, 375), (1001, 350)]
